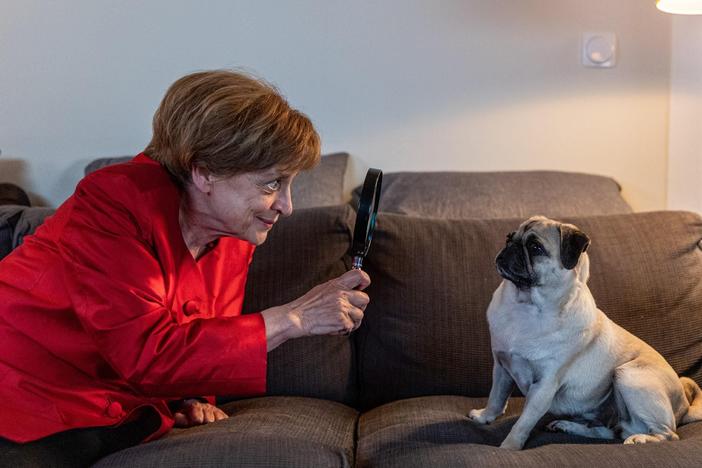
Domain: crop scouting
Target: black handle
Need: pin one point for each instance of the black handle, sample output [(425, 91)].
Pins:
[(365, 217)]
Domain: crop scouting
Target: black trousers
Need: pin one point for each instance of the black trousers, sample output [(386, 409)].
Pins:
[(78, 447)]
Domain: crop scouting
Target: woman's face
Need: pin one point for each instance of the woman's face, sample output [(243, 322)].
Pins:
[(248, 205)]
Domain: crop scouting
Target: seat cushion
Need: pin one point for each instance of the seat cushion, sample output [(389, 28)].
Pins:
[(425, 330), (302, 251), (268, 431), (435, 431), (461, 195)]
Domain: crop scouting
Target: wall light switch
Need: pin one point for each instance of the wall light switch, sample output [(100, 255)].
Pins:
[(599, 49)]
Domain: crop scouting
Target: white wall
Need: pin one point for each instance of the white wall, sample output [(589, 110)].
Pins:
[(400, 84), (685, 146)]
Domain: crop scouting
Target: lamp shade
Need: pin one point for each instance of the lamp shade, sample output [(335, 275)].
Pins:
[(681, 7)]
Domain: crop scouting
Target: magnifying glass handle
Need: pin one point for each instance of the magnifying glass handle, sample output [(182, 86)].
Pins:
[(357, 263)]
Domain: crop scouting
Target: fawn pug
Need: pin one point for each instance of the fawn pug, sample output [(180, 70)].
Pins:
[(566, 356)]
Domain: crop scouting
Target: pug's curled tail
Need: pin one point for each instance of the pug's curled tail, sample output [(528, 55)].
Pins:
[(694, 396)]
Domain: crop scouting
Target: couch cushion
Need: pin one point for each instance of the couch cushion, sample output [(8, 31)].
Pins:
[(435, 431), (10, 194), (18, 221), (302, 251), (269, 431), (8, 221), (321, 186), (498, 194), (425, 331), (99, 163)]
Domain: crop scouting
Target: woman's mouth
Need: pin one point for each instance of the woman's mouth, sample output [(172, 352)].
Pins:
[(266, 222)]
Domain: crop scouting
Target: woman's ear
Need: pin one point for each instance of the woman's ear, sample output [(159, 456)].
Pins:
[(202, 179)]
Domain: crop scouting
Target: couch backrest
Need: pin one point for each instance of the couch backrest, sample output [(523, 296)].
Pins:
[(11, 194), (509, 194), (301, 252), (322, 185), (425, 330)]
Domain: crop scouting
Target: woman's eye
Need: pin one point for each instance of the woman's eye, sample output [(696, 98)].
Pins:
[(273, 186)]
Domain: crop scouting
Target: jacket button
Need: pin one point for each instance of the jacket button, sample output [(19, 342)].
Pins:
[(114, 410), (191, 307)]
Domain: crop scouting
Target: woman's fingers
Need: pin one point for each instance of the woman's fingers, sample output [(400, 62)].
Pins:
[(358, 299), (208, 414), (354, 279), (350, 305), (347, 323), (219, 414), (356, 315), (195, 412), (330, 308), (181, 420)]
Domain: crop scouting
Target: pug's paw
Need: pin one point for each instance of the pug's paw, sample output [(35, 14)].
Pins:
[(559, 425), (643, 439), (480, 416), (511, 444)]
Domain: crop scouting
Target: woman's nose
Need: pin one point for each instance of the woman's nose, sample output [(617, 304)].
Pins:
[(283, 203)]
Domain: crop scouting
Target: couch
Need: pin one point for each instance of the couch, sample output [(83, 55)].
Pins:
[(396, 393)]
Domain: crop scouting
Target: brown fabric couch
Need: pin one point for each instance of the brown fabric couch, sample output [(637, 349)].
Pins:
[(397, 392)]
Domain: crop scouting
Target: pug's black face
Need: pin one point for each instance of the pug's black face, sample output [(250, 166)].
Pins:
[(513, 263), (540, 252)]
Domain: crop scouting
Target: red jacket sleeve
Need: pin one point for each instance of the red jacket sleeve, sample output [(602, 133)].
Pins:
[(118, 289)]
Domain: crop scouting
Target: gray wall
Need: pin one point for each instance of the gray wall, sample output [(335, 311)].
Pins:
[(685, 134), (400, 84)]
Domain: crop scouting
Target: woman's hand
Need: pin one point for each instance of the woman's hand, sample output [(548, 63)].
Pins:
[(195, 412), (335, 307)]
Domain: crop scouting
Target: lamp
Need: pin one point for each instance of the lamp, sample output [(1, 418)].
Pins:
[(681, 7)]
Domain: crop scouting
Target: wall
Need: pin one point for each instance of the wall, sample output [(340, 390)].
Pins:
[(400, 84), (685, 146)]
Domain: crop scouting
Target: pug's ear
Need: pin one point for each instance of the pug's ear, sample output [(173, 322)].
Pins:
[(573, 243)]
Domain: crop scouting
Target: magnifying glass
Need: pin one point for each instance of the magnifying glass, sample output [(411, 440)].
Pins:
[(365, 217)]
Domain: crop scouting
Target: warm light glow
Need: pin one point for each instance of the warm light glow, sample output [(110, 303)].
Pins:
[(681, 7)]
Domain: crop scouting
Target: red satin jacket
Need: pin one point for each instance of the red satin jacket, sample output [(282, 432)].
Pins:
[(104, 310)]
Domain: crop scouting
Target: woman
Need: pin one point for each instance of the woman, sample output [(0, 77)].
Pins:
[(126, 305)]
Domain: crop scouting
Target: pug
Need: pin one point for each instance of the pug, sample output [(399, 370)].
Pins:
[(564, 354)]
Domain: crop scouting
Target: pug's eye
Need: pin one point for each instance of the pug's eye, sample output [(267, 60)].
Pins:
[(535, 249)]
